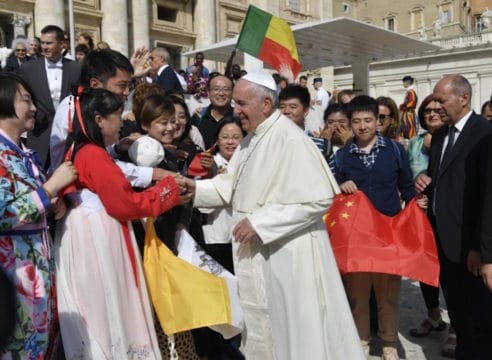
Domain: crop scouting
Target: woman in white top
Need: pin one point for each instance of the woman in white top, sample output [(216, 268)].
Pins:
[(217, 228)]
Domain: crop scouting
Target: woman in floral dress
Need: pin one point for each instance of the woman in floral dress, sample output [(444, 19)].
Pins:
[(25, 197)]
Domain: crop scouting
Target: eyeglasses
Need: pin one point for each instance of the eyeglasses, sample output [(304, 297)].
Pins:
[(225, 90), (20, 50), (429, 111), (383, 117)]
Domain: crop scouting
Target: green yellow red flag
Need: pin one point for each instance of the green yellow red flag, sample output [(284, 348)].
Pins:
[(270, 39)]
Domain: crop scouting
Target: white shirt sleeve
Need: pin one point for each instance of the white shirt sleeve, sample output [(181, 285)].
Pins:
[(59, 132), (138, 176), (325, 99), (197, 137)]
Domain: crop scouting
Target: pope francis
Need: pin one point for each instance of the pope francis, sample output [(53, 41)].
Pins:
[(279, 187)]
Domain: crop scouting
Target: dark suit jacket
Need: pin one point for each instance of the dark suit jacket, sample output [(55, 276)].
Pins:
[(486, 236), (34, 72), (12, 64), (169, 81), (458, 184)]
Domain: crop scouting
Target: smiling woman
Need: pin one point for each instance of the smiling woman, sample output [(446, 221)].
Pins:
[(18, 55), (25, 198), (113, 319)]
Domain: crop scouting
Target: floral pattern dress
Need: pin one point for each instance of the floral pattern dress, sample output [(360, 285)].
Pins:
[(25, 252)]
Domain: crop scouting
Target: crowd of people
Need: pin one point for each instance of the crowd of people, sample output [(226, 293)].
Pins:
[(249, 177)]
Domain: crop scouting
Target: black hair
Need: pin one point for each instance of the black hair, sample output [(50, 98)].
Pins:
[(336, 108), (421, 111), (153, 107), (93, 102), (59, 35), (408, 78), (83, 49), (303, 77), (179, 101), (9, 88), (212, 76), (296, 92), (363, 103), (102, 65), (225, 121), (485, 105)]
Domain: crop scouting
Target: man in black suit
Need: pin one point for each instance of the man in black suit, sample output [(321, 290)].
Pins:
[(51, 79), (455, 184), (486, 238), (163, 72)]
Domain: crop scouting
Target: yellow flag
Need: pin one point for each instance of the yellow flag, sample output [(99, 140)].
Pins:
[(184, 296)]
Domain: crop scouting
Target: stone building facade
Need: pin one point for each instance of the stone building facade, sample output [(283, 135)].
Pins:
[(179, 25), (463, 28)]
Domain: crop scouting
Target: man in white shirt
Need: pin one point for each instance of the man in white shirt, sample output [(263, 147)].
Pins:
[(314, 120), (279, 187), (322, 97), (110, 70)]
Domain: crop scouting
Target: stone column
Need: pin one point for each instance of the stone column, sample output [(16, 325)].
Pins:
[(48, 12), (206, 27), (114, 25), (360, 69), (141, 23), (20, 22), (204, 23)]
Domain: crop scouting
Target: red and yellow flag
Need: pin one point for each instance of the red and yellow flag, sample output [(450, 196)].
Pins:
[(270, 39), (364, 240)]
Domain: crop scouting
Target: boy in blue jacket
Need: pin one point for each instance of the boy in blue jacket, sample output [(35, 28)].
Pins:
[(379, 167)]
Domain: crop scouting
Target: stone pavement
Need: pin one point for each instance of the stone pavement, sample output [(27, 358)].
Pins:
[(412, 312)]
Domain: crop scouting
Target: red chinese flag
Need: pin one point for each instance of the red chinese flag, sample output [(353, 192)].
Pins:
[(364, 240)]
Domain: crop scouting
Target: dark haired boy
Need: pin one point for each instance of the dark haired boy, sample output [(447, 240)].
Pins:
[(107, 69), (378, 167), (294, 103)]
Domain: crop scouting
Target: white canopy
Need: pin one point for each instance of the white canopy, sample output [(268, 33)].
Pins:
[(334, 42)]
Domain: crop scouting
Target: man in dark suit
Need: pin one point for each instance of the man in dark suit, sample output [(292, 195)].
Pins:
[(486, 238), (455, 184), (51, 79), (163, 72)]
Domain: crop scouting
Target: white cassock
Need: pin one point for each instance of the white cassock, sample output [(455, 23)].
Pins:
[(290, 289)]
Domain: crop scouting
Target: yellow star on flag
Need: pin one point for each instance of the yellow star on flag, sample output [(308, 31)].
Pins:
[(349, 204), (345, 215), (333, 223)]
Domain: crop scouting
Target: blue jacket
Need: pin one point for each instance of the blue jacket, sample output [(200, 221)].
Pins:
[(382, 183)]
